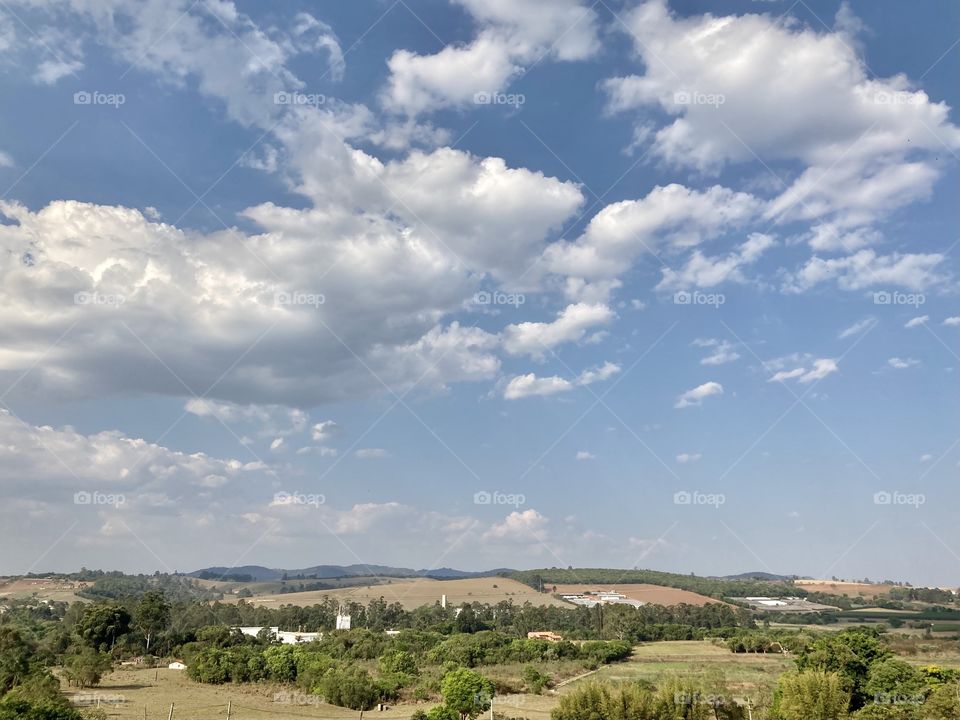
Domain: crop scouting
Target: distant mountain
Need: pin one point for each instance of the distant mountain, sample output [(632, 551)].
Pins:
[(258, 573)]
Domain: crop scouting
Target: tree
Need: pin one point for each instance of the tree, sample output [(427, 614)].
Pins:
[(87, 667), (152, 614), (15, 654), (893, 681), (466, 692), (812, 695), (351, 687), (102, 624)]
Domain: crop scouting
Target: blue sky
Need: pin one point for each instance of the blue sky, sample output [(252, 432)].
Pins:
[(672, 285)]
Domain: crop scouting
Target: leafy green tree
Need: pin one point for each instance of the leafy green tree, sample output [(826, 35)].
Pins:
[(15, 654), (103, 624), (812, 695), (12, 708), (466, 692), (351, 687), (87, 667), (895, 681), (152, 614)]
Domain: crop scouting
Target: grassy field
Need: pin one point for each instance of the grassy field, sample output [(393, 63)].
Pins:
[(43, 588), (851, 589), (417, 592), (653, 594), (138, 694)]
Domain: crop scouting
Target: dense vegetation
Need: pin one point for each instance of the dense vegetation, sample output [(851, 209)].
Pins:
[(712, 587)]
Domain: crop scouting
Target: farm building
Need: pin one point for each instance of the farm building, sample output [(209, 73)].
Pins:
[(177, 665), (547, 635), (287, 637)]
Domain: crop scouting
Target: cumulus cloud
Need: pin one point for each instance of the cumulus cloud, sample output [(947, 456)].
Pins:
[(698, 394), (918, 321), (585, 455), (371, 454), (530, 384), (324, 431), (527, 525), (572, 323), (685, 458), (512, 34), (952, 321), (672, 217), (864, 269), (902, 363)]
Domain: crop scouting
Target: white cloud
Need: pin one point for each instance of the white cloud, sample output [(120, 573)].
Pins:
[(926, 458), (371, 453), (572, 323), (902, 363), (952, 321), (857, 328), (528, 525), (271, 419), (278, 445), (722, 351), (917, 321), (821, 368), (685, 458), (5, 160), (916, 271), (584, 455), (513, 33), (324, 431), (530, 384), (697, 394), (672, 216), (703, 271)]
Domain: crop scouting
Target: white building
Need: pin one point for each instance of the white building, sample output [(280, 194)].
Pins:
[(177, 665)]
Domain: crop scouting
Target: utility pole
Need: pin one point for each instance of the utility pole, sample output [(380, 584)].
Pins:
[(170, 714), (229, 707)]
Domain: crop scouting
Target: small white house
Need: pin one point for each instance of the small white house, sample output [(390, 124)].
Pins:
[(177, 665)]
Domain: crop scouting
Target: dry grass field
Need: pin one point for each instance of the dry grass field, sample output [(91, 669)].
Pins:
[(653, 594), (850, 589), (421, 591), (43, 588)]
